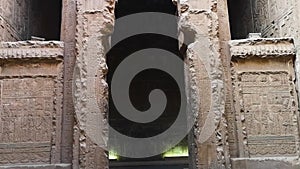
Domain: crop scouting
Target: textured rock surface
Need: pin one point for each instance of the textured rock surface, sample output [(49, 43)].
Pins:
[(266, 106), (265, 163), (68, 30), (31, 103), (95, 21), (280, 20), (253, 122), (199, 25)]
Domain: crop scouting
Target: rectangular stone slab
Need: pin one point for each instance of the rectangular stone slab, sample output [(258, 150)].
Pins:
[(266, 104), (30, 102)]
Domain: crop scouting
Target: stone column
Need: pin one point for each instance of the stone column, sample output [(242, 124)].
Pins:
[(68, 30), (199, 25), (225, 36), (95, 21)]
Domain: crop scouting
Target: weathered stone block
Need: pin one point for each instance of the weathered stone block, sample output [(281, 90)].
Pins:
[(31, 102), (266, 105)]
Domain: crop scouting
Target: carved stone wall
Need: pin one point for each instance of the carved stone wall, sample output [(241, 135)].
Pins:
[(14, 19), (199, 24), (279, 19), (95, 20), (31, 103), (94, 26), (270, 17), (266, 104)]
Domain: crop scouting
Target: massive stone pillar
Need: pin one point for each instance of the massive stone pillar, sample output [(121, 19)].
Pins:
[(95, 21), (68, 30), (225, 36), (199, 25)]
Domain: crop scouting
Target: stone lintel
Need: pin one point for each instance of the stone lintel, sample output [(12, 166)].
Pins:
[(32, 49), (262, 47)]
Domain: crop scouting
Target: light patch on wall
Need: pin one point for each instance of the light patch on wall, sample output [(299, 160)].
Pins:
[(113, 156), (178, 151)]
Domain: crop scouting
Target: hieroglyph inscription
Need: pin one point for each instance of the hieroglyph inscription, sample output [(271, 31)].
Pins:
[(268, 112), (30, 102), (26, 119)]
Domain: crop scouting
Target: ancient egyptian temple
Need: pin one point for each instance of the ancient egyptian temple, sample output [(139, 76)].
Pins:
[(149, 84)]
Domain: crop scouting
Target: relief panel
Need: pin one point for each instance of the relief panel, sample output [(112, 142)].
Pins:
[(266, 104), (30, 102), (268, 112)]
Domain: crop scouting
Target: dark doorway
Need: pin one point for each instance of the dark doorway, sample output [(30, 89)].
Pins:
[(241, 21), (45, 19), (143, 83)]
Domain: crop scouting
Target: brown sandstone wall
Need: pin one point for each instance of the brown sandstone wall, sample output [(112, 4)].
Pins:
[(203, 21), (95, 20), (266, 112), (31, 104), (278, 19), (207, 61)]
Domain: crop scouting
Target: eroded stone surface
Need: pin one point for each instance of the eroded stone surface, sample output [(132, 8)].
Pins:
[(277, 21), (266, 106), (31, 102), (280, 20), (68, 30), (95, 21), (199, 26), (261, 112)]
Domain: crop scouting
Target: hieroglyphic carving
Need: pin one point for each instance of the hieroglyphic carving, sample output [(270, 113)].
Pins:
[(268, 112), (265, 97), (30, 102), (95, 22), (27, 109), (204, 74)]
